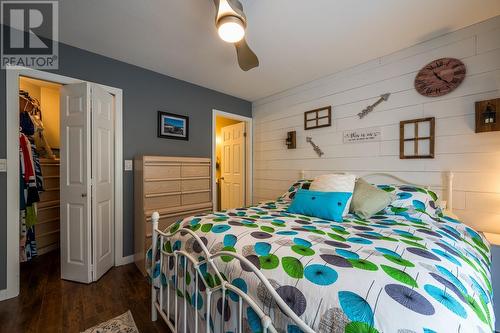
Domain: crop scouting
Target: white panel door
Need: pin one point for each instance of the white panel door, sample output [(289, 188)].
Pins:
[(75, 183), (233, 166), (102, 176)]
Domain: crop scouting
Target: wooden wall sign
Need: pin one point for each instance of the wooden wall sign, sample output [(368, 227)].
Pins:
[(362, 135), (318, 118), (487, 115), (416, 138)]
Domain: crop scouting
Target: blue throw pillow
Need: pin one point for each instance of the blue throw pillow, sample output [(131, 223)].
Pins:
[(324, 205)]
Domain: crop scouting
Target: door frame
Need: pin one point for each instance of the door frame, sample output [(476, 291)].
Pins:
[(12, 124), (248, 155)]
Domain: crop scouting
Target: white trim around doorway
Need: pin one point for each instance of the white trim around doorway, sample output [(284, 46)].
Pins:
[(248, 155), (12, 92)]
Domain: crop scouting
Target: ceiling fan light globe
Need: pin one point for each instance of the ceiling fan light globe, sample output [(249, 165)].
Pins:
[(231, 29)]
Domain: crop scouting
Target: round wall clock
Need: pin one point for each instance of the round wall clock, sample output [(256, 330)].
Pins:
[(440, 77)]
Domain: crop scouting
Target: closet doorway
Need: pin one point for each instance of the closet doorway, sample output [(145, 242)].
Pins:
[(69, 131), (232, 160)]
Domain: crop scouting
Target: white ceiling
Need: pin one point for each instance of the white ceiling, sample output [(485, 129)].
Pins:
[(296, 40)]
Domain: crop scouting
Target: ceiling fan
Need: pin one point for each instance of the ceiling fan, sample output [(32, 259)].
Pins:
[(231, 23)]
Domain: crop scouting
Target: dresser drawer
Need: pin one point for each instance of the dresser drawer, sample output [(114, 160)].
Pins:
[(47, 239), (43, 228), (164, 186), (175, 187), (163, 201), (195, 170), (195, 185), (162, 171), (50, 195), (195, 198), (48, 213), (163, 224), (50, 182), (50, 169)]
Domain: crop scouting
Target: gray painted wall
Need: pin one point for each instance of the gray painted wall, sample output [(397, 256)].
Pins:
[(144, 93)]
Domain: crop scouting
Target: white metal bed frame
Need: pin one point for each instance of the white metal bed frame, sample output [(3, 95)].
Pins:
[(157, 296)]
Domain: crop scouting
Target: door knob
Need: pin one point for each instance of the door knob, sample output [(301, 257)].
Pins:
[(84, 195), (221, 178)]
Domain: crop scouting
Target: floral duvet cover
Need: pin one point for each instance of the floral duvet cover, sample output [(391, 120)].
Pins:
[(406, 272)]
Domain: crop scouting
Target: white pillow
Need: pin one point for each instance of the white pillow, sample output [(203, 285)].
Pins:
[(335, 183)]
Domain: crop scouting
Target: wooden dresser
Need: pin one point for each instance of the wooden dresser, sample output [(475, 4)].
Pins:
[(48, 224), (176, 187)]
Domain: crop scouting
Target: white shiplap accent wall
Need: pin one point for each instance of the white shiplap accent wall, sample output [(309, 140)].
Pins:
[(474, 158)]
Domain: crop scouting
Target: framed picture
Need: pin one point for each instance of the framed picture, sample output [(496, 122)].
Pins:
[(318, 118), (416, 138), (173, 126)]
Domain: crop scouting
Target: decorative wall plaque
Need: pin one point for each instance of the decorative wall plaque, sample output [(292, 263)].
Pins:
[(362, 135)]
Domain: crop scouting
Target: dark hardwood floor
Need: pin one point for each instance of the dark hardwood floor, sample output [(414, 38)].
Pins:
[(48, 304)]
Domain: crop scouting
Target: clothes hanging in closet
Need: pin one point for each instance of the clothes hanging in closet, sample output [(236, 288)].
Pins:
[(28, 164), (30, 186), (41, 143)]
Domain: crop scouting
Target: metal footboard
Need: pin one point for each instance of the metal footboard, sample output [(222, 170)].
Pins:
[(184, 261)]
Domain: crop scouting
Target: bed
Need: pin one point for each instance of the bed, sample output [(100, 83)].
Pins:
[(260, 269)]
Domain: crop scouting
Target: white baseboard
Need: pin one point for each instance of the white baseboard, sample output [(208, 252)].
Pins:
[(6, 294), (125, 260)]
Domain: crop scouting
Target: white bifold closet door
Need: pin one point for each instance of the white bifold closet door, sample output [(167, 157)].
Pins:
[(87, 182), (233, 166)]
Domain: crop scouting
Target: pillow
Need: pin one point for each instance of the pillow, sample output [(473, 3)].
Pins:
[(335, 183), (368, 200), (290, 194), (324, 205), (410, 199)]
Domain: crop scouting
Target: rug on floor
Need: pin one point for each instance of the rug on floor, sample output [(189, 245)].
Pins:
[(121, 324)]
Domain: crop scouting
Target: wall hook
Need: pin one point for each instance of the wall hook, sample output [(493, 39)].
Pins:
[(316, 148)]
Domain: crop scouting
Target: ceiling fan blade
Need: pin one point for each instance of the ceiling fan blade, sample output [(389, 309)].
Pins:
[(247, 59), (229, 8), (236, 6)]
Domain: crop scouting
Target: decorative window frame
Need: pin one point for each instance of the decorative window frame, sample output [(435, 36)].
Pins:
[(416, 138), (317, 117)]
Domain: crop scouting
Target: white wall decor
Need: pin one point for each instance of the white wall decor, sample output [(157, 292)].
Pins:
[(474, 158), (372, 134)]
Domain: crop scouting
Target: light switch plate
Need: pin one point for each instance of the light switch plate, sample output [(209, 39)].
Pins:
[(3, 165), (128, 165)]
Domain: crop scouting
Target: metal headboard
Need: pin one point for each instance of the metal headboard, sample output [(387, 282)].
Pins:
[(448, 187), (158, 301)]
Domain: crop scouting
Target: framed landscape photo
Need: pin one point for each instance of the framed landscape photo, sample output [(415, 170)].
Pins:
[(173, 126)]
